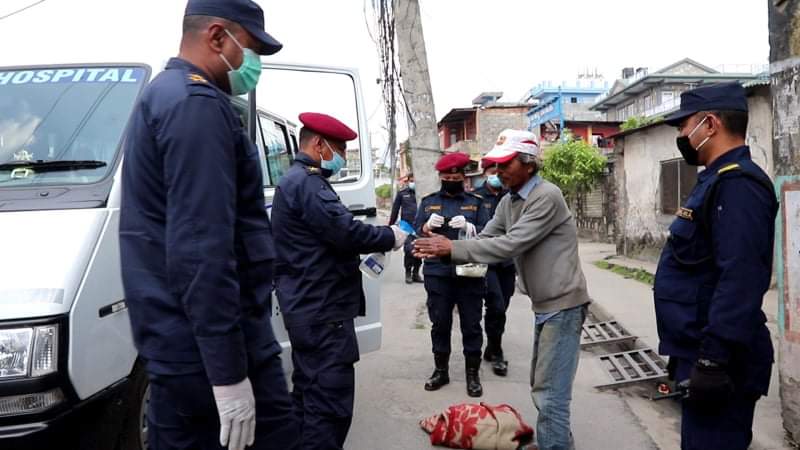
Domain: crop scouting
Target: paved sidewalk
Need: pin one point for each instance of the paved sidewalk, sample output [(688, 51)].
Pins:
[(631, 303)]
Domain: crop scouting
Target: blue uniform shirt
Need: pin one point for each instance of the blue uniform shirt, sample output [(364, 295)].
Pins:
[(448, 206), (405, 203), (195, 242), (716, 268), (318, 242)]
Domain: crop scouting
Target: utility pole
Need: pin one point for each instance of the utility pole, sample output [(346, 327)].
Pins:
[(784, 39), (423, 137)]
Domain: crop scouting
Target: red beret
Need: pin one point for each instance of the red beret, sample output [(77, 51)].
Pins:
[(452, 162), (327, 126)]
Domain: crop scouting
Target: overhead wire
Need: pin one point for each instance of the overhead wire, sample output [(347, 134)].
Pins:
[(25, 8)]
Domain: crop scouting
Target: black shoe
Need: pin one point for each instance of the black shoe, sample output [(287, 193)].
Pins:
[(488, 354), (492, 350), (474, 388), (437, 380), (409, 279), (440, 376), (500, 367), (416, 278)]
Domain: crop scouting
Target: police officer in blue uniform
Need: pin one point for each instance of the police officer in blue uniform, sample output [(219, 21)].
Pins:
[(714, 272), (405, 206), (318, 242), (449, 212), (500, 279), (196, 246)]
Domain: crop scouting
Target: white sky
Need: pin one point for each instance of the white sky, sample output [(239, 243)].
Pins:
[(473, 45)]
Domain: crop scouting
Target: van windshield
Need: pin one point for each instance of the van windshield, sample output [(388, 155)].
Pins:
[(63, 125)]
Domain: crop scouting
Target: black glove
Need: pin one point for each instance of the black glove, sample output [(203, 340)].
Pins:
[(710, 387)]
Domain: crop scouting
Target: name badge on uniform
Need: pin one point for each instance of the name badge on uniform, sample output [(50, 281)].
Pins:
[(433, 208), (469, 208), (685, 213)]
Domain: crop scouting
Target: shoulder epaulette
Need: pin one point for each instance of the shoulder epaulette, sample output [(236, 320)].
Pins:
[(198, 85), (430, 195), (729, 168), (479, 196), (313, 170)]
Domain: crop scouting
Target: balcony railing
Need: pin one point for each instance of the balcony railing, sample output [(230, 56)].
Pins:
[(663, 108)]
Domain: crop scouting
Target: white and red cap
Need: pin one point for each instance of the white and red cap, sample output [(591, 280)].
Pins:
[(510, 143)]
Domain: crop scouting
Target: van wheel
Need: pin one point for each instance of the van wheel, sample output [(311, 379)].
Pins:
[(134, 425)]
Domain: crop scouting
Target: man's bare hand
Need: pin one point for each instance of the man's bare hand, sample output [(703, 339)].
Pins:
[(435, 246)]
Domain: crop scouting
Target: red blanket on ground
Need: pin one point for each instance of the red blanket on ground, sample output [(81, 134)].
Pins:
[(478, 426)]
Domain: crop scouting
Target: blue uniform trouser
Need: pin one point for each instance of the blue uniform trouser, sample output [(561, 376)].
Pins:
[(444, 293), (182, 413), (499, 289), (728, 427), (324, 382)]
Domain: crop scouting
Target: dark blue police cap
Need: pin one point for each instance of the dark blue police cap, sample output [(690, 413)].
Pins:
[(728, 96), (244, 12)]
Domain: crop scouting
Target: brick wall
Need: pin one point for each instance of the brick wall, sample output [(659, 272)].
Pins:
[(491, 121)]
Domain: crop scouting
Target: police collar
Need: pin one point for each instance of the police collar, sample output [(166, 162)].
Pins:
[(306, 160), (731, 156), (182, 64)]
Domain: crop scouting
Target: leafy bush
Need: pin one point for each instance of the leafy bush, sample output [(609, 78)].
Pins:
[(573, 165), (383, 191)]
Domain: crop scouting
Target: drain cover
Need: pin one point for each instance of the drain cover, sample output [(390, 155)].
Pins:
[(632, 367), (611, 332)]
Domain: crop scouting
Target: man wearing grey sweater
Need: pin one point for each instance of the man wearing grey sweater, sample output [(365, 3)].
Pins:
[(533, 226)]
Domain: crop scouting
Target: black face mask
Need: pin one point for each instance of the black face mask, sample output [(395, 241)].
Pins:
[(453, 187), (689, 153)]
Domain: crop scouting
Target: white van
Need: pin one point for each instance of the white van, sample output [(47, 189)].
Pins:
[(69, 373)]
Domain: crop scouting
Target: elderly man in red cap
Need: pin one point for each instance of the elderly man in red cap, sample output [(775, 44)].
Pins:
[(534, 227), (318, 242), (451, 212)]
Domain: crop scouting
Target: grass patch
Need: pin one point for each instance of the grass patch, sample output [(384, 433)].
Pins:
[(627, 272)]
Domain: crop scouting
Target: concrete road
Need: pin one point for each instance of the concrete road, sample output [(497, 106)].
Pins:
[(390, 399)]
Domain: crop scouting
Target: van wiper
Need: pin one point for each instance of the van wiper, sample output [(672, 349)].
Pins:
[(52, 166)]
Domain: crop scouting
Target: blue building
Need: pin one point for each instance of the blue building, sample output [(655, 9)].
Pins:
[(556, 106)]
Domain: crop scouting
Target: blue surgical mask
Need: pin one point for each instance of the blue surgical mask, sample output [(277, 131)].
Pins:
[(336, 164), (245, 78), (494, 181), (411, 185)]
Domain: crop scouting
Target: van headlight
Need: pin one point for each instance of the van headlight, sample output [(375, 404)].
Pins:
[(28, 352)]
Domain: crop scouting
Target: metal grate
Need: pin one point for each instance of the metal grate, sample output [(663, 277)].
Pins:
[(611, 332), (632, 367)]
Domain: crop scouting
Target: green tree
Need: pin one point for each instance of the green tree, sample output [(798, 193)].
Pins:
[(573, 165), (383, 191)]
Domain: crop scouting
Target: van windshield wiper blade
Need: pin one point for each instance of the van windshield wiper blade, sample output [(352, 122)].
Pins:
[(53, 166)]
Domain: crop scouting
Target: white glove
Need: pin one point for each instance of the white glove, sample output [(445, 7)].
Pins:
[(470, 230), (399, 236), (458, 222), (435, 221), (236, 406)]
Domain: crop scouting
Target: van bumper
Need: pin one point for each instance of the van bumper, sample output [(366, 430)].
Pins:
[(91, 423)]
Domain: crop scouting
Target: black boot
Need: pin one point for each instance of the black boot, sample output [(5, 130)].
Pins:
[(499, 363), (474, 388), (491, 349), (409, 278), (440, 375), (416, 277), (500, 367)]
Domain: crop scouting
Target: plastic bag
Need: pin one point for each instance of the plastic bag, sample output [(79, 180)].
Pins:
[(470, 270)]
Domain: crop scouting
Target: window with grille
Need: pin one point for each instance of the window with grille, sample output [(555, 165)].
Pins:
[(677, 181)]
